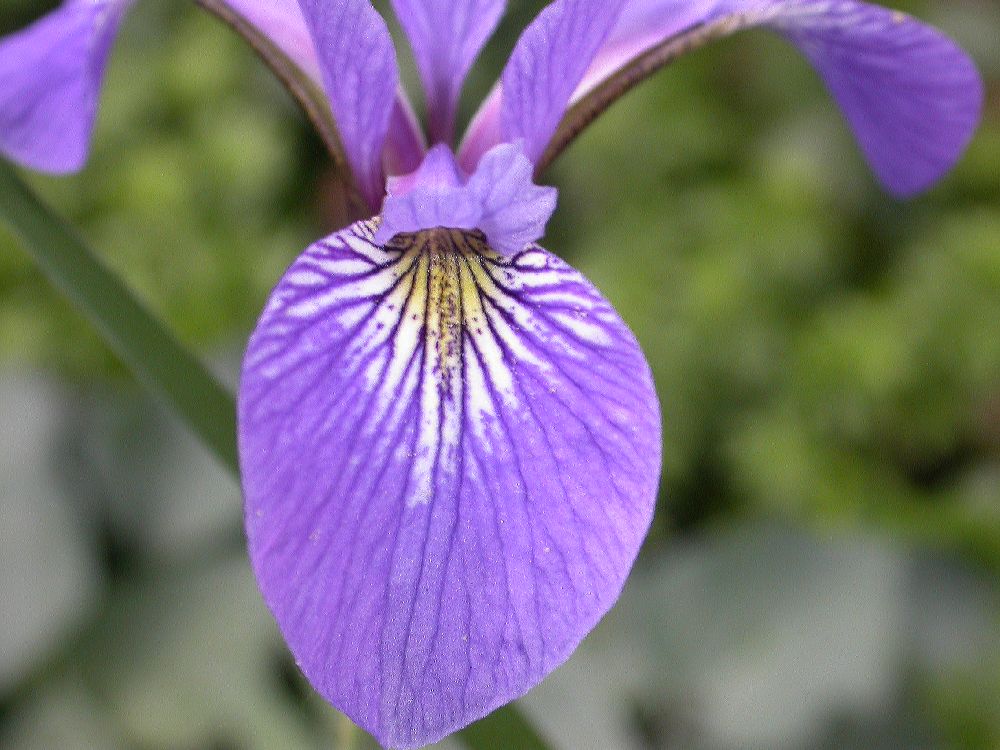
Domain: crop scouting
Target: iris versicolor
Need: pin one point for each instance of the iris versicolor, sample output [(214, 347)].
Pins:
[(450, 442)]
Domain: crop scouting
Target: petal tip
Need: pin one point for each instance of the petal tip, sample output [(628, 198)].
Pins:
[(966, 108), (912, 96), (50, 79)]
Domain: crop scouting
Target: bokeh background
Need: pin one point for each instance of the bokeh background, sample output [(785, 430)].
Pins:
[(823, 568)]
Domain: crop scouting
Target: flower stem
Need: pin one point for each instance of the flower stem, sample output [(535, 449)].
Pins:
[(303, 88), (595, 102)]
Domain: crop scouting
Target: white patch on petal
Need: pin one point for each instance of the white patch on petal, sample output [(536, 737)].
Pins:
[(433, 326)]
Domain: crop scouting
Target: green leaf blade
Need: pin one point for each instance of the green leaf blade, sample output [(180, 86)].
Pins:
[(507, 727), (156, 358)]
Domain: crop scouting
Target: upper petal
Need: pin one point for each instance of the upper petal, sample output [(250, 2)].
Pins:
[(358, 63), (50, 81), (449, 461), (641, 26), (282, 22), (911, 95), (446, 36), (546, 66), (483, 132)]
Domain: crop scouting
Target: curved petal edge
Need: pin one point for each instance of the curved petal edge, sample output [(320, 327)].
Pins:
[(358, 64), (284, 25), (548, 62), (911, 95)]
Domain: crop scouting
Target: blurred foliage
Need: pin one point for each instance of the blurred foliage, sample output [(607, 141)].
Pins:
[(827, 358)]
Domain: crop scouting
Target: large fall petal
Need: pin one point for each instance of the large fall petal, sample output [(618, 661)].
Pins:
[(450, 459)]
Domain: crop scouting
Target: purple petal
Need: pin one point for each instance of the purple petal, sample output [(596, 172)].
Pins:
[(405, 146), (50, 82), (912, 97), (515, 210), (499, 199), (483, 132), (547, 64), (450, 460), (446, 36), (641, 26), (358, 63), (434, 196), (282, 22)]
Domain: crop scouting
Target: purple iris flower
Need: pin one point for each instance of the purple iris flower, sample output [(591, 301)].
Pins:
[(450, 442)]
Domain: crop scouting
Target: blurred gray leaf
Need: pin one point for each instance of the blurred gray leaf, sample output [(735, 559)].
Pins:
[(63, 716), (761, 637), (141, 470), (47, 574), (195, 662)]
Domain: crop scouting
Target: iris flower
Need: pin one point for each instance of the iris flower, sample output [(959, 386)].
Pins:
[(450, 442)]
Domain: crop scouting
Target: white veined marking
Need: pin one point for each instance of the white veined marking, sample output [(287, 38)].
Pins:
[(435, 319)]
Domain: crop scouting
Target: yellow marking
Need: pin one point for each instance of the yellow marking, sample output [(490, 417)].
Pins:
[(444, 311), (447, 275), (472, 306), (414, 297), (899, 17), (399, 295)]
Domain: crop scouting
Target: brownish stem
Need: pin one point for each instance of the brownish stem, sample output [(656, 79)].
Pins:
[(305, 91), (595, 102)]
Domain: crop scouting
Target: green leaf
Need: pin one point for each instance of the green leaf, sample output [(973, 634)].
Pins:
[(506, 727), (171, 371), (144, 345)]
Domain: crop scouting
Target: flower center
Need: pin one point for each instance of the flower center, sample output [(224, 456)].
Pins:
[(499, 200)]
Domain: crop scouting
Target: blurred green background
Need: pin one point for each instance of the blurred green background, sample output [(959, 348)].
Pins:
[(823, 568)]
